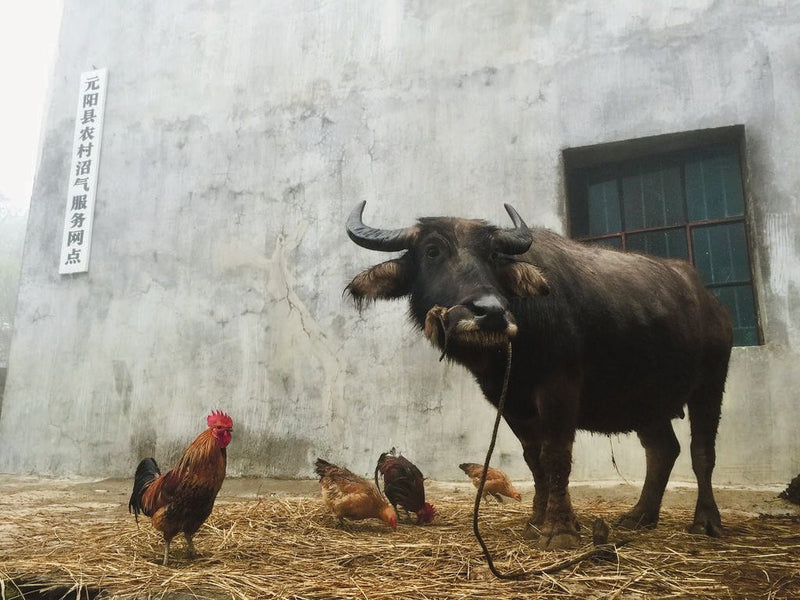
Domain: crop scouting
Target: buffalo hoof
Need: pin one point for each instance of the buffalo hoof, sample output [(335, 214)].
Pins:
[(706, 527), (531, 531), (562, 540), (637, 519), (706, 519)]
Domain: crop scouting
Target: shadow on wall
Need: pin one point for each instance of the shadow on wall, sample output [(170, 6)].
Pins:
[(3, 371)]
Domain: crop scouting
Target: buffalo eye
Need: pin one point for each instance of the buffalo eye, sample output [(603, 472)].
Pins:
[(433, 251)]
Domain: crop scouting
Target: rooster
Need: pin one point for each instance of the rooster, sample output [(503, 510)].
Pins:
[(497, 483), (349, 496), (403, 485), (180, 500)]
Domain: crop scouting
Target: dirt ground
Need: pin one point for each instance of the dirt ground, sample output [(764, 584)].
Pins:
[(20, 494), (100, 498)]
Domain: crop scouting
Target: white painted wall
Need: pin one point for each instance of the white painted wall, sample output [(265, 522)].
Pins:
[(238, 136)]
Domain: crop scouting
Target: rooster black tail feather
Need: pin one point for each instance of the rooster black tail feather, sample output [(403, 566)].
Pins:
[(380, 466), (146, 473), (378, 485)]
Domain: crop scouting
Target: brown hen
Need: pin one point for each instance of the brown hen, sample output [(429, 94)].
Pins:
[(349, 496), (497, 483)]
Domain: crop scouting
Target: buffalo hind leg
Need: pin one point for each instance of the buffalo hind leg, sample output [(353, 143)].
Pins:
[(704, 413), (661, 449)]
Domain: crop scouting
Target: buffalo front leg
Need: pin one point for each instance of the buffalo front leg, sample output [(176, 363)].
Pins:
[(541, 494), (557, 406), (661, 448), (559, 530), (527, 434)]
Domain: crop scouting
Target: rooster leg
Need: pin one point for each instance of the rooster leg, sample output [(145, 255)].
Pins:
[(498, 497), (397, 512), (190, 545), (166, 553)]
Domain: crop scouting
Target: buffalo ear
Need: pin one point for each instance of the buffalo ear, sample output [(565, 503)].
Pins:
[(390, 279), (524, 280)]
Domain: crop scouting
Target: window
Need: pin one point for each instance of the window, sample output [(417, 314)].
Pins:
[(686, 202)]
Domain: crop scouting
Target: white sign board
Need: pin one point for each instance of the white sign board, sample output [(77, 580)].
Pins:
[(82, 182)]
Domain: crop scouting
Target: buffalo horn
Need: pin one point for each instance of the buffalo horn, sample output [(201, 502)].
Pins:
[(517, 240), (386, 240)]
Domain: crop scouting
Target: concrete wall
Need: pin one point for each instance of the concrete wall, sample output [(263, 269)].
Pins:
[(238, 136)]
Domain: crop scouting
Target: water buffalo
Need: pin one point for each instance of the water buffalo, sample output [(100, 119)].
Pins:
[(602, 341)]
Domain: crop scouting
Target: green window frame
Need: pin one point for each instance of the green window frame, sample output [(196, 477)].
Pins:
[(686, 203)]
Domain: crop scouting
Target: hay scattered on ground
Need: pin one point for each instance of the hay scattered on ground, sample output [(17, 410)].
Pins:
[(292, 548)]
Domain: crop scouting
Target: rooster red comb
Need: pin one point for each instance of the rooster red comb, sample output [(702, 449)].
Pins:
[(217, 418)]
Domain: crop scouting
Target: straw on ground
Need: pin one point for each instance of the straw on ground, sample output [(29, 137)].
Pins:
[(292, 548)]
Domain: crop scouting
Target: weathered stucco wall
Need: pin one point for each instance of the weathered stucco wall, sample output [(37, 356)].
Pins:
[(238, 136)]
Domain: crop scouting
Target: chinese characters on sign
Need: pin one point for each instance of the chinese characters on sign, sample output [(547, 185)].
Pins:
[(82, 179)]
